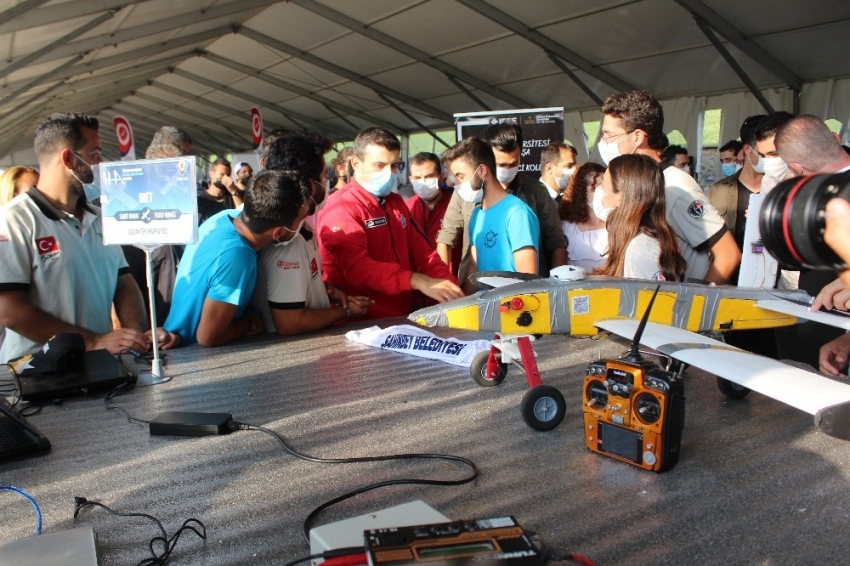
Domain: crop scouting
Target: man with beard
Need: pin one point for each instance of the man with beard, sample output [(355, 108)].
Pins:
[(56, 275)]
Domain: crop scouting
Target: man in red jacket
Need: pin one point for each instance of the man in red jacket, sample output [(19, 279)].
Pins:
[(368, 244)]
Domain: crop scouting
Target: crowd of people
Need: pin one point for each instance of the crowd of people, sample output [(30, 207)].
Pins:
[(286, 250)]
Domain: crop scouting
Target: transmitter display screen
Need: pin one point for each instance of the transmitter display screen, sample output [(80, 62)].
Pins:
[(450, 550), (621, 442), (620, 376)]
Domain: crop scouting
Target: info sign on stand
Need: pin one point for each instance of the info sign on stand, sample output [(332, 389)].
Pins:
[(148, 204)]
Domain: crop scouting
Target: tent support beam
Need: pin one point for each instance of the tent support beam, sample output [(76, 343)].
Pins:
[(20, 9), (573, 77), (36, 55), (752, 49), (703, 25), (410, 51), (274, 81), (38, 80), (468, 92), (547, 44), (341, 71), (410, 117)]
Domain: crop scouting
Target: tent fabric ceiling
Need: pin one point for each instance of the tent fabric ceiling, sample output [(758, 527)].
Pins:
[(339, 65)]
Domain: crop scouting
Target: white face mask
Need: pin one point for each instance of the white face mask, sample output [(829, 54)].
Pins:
[(598, 208), (451, 180), (775, 168), (467, 193), (758, 166), (687, 169), (565, 178), (505, 176), (426, 188), (295, 232), (610, 150), (381, 183)]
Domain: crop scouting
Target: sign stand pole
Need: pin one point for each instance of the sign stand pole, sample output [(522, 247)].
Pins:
[(155, 376)]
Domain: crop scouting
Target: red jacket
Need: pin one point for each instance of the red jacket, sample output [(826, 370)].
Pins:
[(430, 221), (372, 249)]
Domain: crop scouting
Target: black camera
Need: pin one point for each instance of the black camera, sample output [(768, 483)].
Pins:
[(793, 220)]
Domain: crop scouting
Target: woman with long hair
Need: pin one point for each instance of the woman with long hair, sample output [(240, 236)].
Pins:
[(641, 244), (587, 238), (16, 180)]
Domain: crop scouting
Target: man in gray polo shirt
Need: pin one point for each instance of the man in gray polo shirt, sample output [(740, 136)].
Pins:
[(55, 273)]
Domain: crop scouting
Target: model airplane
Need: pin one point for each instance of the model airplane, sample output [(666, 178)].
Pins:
[(518, 310)]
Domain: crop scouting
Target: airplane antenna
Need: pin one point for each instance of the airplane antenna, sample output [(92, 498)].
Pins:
[(634, 352)]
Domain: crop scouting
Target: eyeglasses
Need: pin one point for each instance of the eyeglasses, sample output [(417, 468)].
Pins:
[(609, 139)]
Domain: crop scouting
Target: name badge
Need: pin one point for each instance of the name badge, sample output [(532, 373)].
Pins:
[(375, 222)]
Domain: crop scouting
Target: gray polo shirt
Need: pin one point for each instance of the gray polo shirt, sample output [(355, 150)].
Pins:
[(60, 262)]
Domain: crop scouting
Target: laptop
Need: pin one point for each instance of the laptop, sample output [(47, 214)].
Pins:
[(100, 371), (17, 436)]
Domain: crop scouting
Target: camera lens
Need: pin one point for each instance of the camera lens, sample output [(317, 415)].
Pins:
[(793, 220)]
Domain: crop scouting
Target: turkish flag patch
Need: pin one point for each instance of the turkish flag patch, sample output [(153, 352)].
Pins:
[(46, 245)]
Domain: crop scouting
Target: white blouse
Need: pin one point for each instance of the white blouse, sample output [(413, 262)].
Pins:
[(585, 248)]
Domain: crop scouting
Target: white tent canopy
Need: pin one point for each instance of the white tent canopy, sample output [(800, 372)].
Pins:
[(340, 65)]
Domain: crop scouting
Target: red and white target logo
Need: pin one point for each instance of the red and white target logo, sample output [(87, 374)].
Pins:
[(256, 127), (124, 133)]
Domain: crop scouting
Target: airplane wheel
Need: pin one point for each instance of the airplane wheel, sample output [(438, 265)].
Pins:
[(543, 407), (478, 370), (732, 390)]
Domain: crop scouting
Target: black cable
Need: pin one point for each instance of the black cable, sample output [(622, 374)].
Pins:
[(329, 554), (168, 543), (109, 407), (402, 481)]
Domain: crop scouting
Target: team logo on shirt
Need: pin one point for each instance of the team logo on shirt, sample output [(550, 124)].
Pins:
[(375, 222), (46, 245), (490, 239), (697, 209), (314, 268), (403, 220), (658, 276), (288, 264)]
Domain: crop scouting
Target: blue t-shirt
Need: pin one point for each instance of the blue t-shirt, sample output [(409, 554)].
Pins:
[(501, 230), (221, 266)]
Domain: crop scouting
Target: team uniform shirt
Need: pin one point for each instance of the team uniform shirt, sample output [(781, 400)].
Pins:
[(369, 247), (641, 259), (221, 266), (499, 231), (693, 219), (430, 221), (290, 277), (60, 262)]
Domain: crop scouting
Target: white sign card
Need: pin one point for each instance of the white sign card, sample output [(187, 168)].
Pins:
[(150, 202)]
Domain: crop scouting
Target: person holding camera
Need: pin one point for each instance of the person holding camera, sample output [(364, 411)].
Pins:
[(808, 147)]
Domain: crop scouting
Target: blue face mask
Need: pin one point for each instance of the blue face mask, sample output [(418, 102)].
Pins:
[(728, 169), (382, 183)]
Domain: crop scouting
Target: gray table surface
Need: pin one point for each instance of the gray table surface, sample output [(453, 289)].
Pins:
[(756, 483)]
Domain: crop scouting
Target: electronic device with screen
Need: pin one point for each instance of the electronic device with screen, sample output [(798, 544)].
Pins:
[(483, 541), (634, 410), (100, 372), (17, 436)]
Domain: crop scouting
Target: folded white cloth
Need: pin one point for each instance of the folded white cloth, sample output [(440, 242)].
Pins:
[(407, 339)]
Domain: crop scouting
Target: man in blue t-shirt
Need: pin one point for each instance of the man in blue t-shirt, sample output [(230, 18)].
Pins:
[(216, 276), (504, 233)]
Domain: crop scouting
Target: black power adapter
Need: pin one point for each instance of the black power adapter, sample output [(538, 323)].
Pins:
[(179, 423)]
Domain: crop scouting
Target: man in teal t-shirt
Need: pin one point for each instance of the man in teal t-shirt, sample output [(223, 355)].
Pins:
[(216, 276), (504, 232)]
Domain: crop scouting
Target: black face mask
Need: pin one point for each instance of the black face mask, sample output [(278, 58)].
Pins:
[(218, 185)]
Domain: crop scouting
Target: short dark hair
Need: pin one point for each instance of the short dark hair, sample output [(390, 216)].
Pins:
[(732, 145), (270, 137), (424, 157), (551, 154), (749, 127), (167, 142), (220, 162), (375, 136), (298, 151), (771, 123), (61, 130), (473, 151), (274, 198), (668, 156), (343, 159), (504, 137), (638, 109)]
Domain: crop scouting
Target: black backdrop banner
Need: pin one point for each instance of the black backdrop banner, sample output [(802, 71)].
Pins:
[(540, 127)]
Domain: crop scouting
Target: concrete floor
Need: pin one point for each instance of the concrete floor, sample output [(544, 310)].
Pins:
[(756, 483)]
